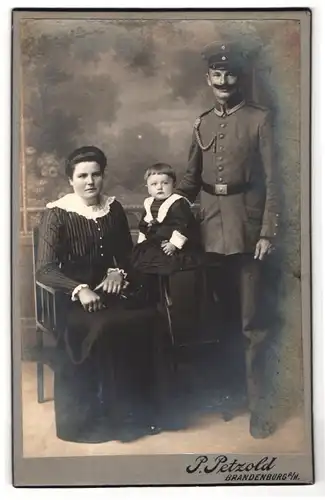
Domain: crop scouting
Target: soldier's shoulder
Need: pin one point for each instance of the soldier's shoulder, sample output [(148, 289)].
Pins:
[(207, 112), (254, 106), (259, 112), (202, 116)]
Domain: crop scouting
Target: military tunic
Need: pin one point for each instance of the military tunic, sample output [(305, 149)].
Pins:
[(232, 148), (231, 165)]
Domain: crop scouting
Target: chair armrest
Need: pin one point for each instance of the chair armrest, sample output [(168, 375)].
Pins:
[(48, 288), (48, 305)]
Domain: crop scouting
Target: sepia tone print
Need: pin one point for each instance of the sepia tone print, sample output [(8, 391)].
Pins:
[(135, 88)]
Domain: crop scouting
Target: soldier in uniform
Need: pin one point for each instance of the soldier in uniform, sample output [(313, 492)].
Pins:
[(231, 165)]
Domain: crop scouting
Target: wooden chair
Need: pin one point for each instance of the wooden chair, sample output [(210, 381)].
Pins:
[(47, 320), (201, 332), (186, 325), (186, 322)]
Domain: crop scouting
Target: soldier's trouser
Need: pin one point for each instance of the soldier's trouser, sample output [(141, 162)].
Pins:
[(237, 279)]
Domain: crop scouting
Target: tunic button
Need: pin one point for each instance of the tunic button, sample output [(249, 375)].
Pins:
[(220, 158), (222, 125), (221, 136), (102, 254), (101, 246), (220, 169), (99, 229), (220, 179), (100, 237), (221, 148)]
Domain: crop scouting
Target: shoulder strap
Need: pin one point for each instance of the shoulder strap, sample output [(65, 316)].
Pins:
[(197, 124)]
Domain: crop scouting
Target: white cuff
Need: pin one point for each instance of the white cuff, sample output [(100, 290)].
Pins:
[(75, 292), (141, 237), (118, 270), (112, 270), (178, 239)]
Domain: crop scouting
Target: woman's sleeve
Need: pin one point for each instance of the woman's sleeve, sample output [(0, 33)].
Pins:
[(122, 241), (48, 269)]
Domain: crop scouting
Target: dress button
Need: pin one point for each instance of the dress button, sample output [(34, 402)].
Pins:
[(221, 136), (222, 125), (220, 169), (220, 179), (220, 158)]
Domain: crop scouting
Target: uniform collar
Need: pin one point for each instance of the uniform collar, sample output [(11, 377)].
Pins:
[(234, 103)]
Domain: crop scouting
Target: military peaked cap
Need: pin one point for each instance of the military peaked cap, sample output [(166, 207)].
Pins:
[(222, 55)]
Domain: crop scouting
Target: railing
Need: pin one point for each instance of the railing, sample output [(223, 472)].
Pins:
[(133, 213)]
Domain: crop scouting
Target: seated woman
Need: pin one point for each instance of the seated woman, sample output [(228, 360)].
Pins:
[(84, 245)]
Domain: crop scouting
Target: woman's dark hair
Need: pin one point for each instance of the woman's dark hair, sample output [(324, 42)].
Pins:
[(160, 168), (85, 153)]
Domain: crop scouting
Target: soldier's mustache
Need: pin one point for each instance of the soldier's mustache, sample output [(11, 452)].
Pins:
[(222, 87)]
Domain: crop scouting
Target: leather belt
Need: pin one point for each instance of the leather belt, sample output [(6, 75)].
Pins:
[(225, 189)]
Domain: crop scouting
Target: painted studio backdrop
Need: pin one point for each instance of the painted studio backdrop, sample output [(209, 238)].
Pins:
[(134, 89)]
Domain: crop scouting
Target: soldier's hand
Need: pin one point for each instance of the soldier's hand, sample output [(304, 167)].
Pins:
[(263, 247)]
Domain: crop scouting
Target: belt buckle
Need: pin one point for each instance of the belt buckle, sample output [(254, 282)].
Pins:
[(221, 189)]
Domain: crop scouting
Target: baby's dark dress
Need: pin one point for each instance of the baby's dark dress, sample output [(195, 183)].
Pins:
[(172, 220)]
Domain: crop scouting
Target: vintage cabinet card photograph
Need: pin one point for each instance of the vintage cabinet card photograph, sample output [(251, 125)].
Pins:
[(161, 328)]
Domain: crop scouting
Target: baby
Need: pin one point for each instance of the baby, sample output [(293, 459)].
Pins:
[(168, 233)]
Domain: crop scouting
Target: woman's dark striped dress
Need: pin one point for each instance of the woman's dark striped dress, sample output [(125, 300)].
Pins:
[(74, 250), (100, 346)]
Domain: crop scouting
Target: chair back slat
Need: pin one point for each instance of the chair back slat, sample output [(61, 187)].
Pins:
[(49, 309), (37, 293)]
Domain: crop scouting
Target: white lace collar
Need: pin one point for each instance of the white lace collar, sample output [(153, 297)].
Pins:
[(73, 203), (163, 209)]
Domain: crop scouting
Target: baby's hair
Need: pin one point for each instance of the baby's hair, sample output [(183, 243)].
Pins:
[(160, 168)]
